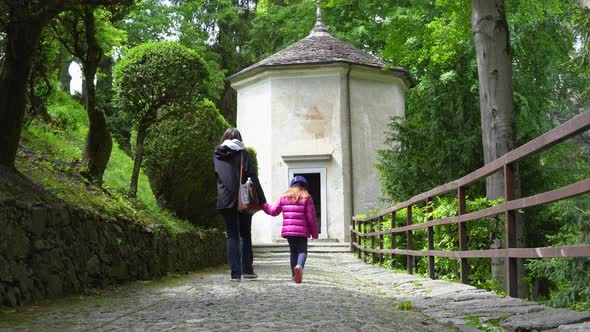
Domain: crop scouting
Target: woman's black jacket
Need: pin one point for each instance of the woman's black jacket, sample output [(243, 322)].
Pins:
[(227, 171)]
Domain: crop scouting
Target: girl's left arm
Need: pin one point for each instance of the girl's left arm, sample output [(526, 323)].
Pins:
[(310, 217), (273, 210)]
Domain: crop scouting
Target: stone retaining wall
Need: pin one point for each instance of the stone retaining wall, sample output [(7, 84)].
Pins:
[(51, 251)]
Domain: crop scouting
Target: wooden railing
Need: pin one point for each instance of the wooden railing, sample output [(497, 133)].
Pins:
[(506, 164)]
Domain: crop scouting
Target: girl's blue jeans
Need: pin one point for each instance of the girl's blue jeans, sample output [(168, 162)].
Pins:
[(238, 227), (298, 248)]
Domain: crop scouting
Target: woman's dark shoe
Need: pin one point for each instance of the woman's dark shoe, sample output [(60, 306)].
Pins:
[(236, 279), (251, 275)]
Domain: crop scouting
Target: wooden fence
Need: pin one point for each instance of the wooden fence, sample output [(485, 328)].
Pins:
[(506, 164)]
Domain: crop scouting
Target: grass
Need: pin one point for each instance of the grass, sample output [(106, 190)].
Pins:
[(50, 154)]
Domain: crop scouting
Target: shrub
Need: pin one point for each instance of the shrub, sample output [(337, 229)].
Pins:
[(179, 163)]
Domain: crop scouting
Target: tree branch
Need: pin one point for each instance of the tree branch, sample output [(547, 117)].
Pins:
[(61, 40)]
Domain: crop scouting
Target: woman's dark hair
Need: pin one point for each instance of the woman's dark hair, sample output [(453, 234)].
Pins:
[(231, 133)]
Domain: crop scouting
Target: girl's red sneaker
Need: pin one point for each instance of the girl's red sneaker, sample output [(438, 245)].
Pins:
[(298, 274)]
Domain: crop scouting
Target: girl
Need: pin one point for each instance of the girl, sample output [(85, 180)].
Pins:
[(299, 222)]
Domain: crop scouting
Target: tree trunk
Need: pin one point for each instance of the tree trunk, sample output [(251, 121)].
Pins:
[(38, 104), (65, 78), (141, 133), (97, 149), (494, 65), (228, 104), (104, 85), (21, 38)]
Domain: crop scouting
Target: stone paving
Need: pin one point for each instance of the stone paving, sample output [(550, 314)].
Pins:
[(330, 298), (452, 303), (339, 293)]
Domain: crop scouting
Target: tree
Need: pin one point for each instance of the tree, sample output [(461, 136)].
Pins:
[(21, 24), (43, 76), (155, 81), (149, 21), (220, 37), (87, 33), (491, 38), (439, 140)]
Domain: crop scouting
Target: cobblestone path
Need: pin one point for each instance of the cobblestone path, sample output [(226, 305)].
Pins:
[(332, 297)]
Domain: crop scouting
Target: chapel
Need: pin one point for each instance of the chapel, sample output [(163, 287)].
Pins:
[(319, 108)]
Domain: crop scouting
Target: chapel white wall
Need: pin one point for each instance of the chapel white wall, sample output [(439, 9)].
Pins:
[(306, 112), (375, 98), (253, 122)]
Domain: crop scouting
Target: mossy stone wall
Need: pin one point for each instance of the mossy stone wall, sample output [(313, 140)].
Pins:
[(48, 251)]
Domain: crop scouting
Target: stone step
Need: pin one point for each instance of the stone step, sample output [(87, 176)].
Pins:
[(312, 246)]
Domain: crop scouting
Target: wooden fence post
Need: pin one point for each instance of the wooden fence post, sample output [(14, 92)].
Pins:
[(430, 235), (373, 256), (463, 235), (410, 242), (365, 243), (359, 240), (392, 239), (352, 237), (510, 225), (380, 227)]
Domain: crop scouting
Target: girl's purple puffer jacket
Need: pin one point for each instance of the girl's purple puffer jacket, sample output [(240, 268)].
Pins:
[(298, 218)]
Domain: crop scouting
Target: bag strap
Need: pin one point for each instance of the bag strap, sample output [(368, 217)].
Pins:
[(241, 166)]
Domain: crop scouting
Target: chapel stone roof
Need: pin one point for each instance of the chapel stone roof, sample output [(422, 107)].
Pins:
[(319, 47)]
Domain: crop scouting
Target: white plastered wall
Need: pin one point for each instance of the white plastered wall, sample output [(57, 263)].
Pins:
[(253, 122), (375, 98), (306, 107)]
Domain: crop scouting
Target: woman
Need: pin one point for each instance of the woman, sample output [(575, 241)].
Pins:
[(228, 158)]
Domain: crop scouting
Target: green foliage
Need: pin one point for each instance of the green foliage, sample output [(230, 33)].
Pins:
[(107, 34), (276, 27), (582, 28), (254, 157), (489, 326), (568, 277), (153, 79), (69, 27), (179, 162), (52, 160), (440, 139), (405, 305), (43, 75), (215, 29), (67, 114), (148, 21)]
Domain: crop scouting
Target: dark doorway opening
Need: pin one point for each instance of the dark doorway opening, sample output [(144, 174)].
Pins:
[(315, 191)]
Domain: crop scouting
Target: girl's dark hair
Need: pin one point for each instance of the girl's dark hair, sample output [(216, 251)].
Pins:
[(231, 133)]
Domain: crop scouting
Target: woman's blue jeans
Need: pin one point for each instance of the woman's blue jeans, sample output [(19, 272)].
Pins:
[(298, 248), (238, 227)]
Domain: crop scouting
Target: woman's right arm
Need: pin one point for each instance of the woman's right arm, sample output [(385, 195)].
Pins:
[(273, 210)]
